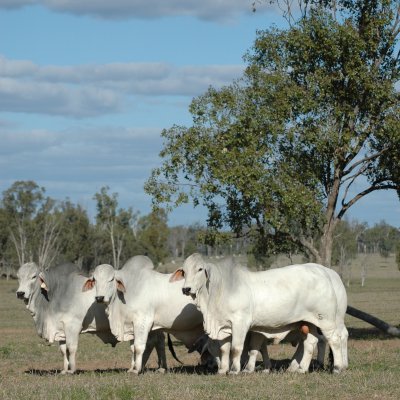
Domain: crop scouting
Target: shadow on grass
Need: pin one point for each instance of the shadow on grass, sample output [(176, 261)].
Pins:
[(277, 366), (51, 372)]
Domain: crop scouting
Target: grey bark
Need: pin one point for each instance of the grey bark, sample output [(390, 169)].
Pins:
[(382, 325)]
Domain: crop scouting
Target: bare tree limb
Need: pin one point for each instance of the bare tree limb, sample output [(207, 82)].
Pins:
[(363, 161), (364, 193), (382, 325)]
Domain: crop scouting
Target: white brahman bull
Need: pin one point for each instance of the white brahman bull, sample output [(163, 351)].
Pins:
[(61, 311), (140, 300), (234, 300)]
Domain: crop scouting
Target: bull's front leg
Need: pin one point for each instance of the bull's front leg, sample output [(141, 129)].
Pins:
[(132, 346), (141, 331), (238, 337), (72, 339), (224, 351), (64, 352)]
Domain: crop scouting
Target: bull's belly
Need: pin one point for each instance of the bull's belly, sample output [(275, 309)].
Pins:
[(178, 322), (278, 322)]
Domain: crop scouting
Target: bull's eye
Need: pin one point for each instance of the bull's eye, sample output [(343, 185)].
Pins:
[(34, 276), (200, 269), (111, 280)]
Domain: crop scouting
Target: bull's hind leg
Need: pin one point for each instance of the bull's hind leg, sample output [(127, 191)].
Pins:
[(337, 340), (308, 344), (156, 340), (257, 343), (343, 343)]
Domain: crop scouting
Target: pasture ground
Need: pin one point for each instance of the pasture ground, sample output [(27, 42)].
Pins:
[(29, 369)]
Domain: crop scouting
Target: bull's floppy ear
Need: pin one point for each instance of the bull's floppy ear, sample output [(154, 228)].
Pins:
[(120, 285), (177, 275), (42, 281), (89, 284)]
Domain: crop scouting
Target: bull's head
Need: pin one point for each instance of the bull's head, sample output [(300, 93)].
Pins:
[(107, 283), (27, 277), (195, 271)]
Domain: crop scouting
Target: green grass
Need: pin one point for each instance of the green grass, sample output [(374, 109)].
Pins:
[(29, 367)]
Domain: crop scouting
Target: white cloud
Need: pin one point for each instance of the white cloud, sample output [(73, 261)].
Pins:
[(98, 89), (76, 163), (211, 10), (56, 99), (10, 4)]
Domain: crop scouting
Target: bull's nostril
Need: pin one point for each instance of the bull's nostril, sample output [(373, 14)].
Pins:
[(100, 299), (20, 295), (186, 290)]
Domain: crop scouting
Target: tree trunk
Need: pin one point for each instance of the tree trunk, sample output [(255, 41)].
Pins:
[(382, 325), (331, 221)]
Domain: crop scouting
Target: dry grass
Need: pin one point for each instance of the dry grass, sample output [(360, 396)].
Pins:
[(29, 368)]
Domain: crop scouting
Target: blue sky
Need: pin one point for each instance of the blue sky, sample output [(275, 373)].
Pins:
[(87, 86)]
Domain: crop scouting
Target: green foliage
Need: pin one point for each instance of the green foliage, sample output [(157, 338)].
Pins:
[(76, 235), (153, 235), (114, 229), (23, 199), (25, 212), (398, 255), (381, 238), (279, 150), (346, 239)]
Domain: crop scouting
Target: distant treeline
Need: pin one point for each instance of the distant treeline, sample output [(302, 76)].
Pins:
[(35, 227)]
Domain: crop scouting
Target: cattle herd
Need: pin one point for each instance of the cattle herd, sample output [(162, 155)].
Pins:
[(221, 309)]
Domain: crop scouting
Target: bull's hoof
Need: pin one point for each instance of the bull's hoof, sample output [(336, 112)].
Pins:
[(133, 371), (233, 372), (222, 372), (266, 371), (293, 367), (67, 372), (161, 370), (248, 371)]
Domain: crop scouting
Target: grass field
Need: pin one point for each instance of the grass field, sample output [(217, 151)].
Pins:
[(29, 368)]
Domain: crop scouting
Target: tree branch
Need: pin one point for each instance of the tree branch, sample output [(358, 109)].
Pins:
[(309, 246), (364, 160), (382, 325), (364, 193)]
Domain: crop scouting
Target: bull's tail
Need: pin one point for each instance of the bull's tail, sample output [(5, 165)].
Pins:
[(171, 349)]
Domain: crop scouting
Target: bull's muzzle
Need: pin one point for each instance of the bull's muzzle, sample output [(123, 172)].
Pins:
[(20, 295), (100, 299), (186, 291)]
